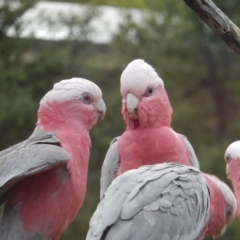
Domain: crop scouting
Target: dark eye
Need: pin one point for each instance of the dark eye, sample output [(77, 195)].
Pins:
[(228, 212), (149, 91), (228, 158), (87, 98)]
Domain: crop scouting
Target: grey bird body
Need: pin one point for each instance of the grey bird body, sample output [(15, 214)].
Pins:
[(165, 201)]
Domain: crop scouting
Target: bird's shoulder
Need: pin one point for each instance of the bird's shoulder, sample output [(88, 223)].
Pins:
[(41, 151)]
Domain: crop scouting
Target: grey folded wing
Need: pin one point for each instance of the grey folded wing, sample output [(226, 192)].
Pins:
[(12, 148), (110, 166), (38, 136), (42, 151), (192, 156), (163, 201)]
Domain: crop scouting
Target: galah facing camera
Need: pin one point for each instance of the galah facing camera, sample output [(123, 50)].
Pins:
[(148, 138)]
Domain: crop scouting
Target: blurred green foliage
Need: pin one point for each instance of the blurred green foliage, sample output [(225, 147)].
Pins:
[(201, 75)]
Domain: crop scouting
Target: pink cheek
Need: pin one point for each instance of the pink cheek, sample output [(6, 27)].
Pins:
[(233, 169)]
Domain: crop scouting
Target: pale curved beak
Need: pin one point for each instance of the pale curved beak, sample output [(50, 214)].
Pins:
[(132, 105), (227, 172), (101, 108)]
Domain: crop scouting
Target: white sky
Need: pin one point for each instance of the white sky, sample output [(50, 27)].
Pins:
[(103, 26)]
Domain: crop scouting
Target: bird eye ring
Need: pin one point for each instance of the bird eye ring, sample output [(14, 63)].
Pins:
[(228, 158), (149, 91), (87, 98), (228, 212)]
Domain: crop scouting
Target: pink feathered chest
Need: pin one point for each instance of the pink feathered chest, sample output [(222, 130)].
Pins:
[(150, 146), (49, 201)]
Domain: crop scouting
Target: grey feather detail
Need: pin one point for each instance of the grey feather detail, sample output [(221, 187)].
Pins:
[(11, 218), (36, 154), (110, 166), (42, 136), (163, 201), (192, 156), (38, 136), (12, 148)]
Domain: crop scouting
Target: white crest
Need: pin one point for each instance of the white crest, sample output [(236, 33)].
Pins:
[(70, 89), (139, 74), (233, 150)]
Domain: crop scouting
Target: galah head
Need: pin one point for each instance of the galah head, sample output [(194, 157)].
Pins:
[(145, 101), (230, 201), (74, 100), (232, 158), (223, 206)]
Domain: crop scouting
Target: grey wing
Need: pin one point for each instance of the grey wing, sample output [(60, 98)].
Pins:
[(192, 156), (40, 152), (110, 166), (12, 148), (164, 201), (38, 136)]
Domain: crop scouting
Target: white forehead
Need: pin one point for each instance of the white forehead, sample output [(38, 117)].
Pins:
[(139, 75), (233, 150), (71, 89)]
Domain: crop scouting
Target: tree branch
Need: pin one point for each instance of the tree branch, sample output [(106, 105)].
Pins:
[(217, 21)]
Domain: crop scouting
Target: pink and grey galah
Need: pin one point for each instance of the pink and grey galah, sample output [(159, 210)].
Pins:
[(153, 202), (43, 179), (222, 203), (148, 138), (223, 206), (232, 158)]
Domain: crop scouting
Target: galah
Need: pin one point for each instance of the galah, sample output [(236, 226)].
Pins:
[(232, 158), (176, 207), (223, 206), (148, 138), (222, 201), (43, 179)]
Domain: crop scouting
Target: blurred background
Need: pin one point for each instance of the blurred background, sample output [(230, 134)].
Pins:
[(42, 42)]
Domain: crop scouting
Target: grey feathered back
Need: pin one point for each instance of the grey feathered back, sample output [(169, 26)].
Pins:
[(38, 153), (159, 202), (110, 166), (41, 151), (192, 156)]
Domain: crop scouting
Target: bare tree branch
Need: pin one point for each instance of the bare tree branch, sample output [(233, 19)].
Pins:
[(217, 21)]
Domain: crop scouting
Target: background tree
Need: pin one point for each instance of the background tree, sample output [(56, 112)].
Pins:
[(217, 21)]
